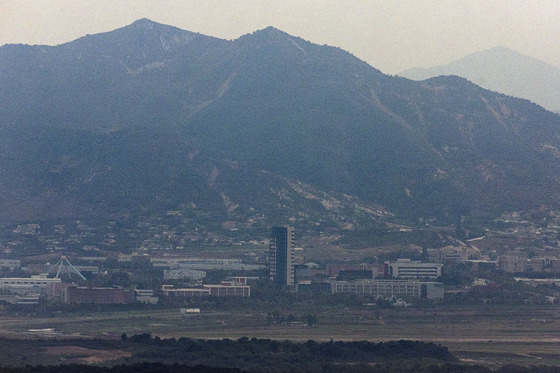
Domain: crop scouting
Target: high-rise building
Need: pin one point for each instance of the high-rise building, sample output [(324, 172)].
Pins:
[(281, 256)]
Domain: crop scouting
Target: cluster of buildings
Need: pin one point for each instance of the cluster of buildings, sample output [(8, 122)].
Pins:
[(401, 278), (19, 290), (29, 290), (517, 264)]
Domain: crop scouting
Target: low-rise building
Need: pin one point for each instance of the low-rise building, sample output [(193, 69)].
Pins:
[(204, 264), (10, 263), (72, 293), (512, 264), (183, 273), (236, 288), (189, 311), (171, 291), (389, 288), (145, 296), (406, 268), (449, 254), (80, 294), (27, 299), (33, 284)]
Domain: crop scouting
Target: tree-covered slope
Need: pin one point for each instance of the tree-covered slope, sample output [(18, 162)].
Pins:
[(150, 117)]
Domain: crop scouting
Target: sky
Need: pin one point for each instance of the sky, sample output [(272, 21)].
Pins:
[(391, 35)]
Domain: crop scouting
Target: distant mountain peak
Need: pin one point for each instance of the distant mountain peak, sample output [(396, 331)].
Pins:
[(502, 48), (269, 34), (150, 117), (143, 21), (148, 24), (503, 70), (272, 30)]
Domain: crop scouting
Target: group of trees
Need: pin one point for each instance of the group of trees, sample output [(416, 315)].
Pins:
[(272, 355), (153, 354)]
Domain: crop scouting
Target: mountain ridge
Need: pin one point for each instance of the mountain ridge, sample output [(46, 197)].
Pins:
[(503, 70), (155, 117)]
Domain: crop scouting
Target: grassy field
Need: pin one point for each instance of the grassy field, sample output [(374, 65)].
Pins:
[(484, 334)]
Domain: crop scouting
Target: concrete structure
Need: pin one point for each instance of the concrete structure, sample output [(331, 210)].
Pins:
[(170, 291), (20, 299), (281, 256), (88, 269), (449, 254), (125, 258), (79, 294), (34, 284), (333, 269), (243, 291), (354, 274), (10, 263), (204, 264), (405, 268), (71, 293), (236, 288), (183, 273), (389, 288), (145, 296), (512, 264), (189, 311), (302, 274), (539, 281)]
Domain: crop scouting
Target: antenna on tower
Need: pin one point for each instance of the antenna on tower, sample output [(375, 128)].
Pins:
[(64, 265)]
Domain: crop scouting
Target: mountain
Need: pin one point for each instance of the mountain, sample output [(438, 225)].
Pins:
[(265, 129), (503, 70)]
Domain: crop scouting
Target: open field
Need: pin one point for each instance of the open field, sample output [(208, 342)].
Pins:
[(484, 334)]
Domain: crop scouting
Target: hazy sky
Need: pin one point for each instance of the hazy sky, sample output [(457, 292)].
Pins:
[(391, 35)]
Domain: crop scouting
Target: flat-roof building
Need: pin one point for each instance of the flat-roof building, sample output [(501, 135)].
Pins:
[(389, 288), (236, 288), (405, 268), (35, 284)]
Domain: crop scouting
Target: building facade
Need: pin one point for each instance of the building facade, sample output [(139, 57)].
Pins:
[(183, 273), (406, 268), (389, 288), (34, 284), (236, 288), (281, 256), (71, 293)]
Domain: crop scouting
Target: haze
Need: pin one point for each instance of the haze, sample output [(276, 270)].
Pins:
[(389, 35)]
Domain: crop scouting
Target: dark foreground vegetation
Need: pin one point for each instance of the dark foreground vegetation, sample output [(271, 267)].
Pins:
[(270, 355), (357, 368), (147, 354)]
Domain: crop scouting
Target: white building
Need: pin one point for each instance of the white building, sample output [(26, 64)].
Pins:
[(145, 296), (10, 263), (389, 288), (449, 254), (183, 273), (204, 264), (34, 284), (405, 268)]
